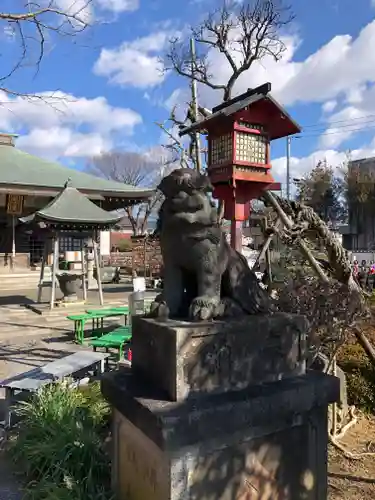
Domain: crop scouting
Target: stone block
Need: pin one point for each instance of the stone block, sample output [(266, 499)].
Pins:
[(184, 358), (266, 441)]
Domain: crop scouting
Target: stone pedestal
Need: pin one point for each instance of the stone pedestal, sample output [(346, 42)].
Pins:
[(214, 422), (182, 357)]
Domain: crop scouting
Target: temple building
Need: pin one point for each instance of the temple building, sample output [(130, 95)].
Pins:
[(28, 183)]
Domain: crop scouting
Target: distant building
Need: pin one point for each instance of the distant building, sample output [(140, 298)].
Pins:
[(29, 183), (359, 235)]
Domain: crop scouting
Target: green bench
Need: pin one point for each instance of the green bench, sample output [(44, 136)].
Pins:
[(79, 325), (110, 312), (114, 340), (97, 317)]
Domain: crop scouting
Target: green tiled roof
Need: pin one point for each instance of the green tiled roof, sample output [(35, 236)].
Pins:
[(71, 206), (23, 169)]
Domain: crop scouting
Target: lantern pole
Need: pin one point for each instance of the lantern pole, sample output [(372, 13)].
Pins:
[(194, 101)]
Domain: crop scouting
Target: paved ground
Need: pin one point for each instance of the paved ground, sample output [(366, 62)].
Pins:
[(20, 351), (16, 357), (111, 292)]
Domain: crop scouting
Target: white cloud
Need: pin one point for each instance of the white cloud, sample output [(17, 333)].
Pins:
[(341, 71), (343, 64), (355, 95), (135, 63), (63, 142), (82, 10), (64, 125), (329, 106), (85, 10), (299, 167), (118, 6)]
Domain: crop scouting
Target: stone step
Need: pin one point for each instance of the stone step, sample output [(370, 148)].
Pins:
[(17, 281)]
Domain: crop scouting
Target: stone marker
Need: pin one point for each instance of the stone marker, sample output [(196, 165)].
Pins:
[(221, 409)]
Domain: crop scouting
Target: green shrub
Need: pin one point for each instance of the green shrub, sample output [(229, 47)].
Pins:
[(59, 444), (360, 376)]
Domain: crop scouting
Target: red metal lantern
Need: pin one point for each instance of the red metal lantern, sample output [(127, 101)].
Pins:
[(239, 133)]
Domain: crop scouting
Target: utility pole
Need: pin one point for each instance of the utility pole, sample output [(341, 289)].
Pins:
[(288, 141), (194, 101)]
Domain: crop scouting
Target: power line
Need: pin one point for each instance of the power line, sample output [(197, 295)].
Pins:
[(319, 124), (349, 124), (340, 131)]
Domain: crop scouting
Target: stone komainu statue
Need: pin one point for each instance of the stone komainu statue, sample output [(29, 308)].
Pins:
[(204, 277)]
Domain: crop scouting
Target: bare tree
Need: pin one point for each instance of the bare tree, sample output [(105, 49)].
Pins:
[(34, 25), (243, 33), (135, 169), (179, 152)]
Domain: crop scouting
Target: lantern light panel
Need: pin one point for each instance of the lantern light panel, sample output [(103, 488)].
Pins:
[(251, 148), (221, 149)]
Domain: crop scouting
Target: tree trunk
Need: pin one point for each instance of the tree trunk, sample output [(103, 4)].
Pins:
[(365, 344)]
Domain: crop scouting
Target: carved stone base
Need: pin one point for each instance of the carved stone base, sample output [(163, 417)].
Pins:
[(185, 358), (266, 441)]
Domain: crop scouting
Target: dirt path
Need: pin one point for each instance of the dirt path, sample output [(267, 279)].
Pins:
[(354, 479)]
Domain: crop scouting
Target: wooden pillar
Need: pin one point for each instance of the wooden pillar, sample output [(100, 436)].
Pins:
[(55, 261), (83, 270), (42, 270), (236, 235), (99, 279), (13, 242)]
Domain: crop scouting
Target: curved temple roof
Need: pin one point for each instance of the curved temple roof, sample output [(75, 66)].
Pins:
[(24, 171), (71, 207)]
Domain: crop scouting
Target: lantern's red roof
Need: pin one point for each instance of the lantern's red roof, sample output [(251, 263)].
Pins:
[(275, 118)]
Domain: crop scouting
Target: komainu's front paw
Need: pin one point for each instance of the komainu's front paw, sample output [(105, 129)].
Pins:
[(204, 308), (159, 309)]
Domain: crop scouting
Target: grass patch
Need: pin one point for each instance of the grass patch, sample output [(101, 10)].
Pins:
[(59, 444)]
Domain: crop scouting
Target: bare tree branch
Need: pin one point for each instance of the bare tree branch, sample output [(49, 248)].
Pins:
[(243, 34), (32, 27), (175, 147), (135, 169)]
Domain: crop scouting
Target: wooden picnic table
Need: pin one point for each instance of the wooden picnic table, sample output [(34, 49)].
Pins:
[(96, 316), (54, 371)]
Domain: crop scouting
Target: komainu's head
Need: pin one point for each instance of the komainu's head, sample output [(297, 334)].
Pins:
[(186, 180)]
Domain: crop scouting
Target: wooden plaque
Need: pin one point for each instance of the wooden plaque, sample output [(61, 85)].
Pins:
[(15, 204)]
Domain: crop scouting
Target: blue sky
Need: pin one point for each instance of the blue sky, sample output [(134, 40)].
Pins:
[(110, 91)]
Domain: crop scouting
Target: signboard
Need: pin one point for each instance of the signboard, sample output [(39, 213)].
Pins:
[(15, 204)]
